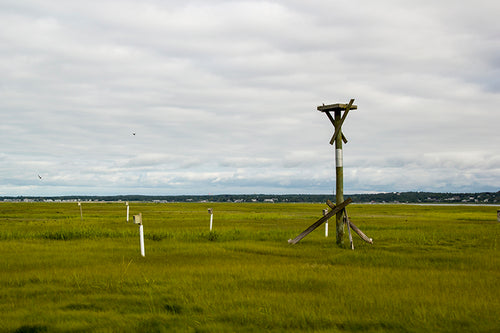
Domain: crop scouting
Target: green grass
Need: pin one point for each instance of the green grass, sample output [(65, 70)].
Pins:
[(430, 269)]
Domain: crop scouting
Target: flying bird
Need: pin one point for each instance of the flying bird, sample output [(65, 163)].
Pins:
[(39, 176), (133, 133)]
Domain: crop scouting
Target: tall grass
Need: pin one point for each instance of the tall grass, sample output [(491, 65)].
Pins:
[(430, 269)]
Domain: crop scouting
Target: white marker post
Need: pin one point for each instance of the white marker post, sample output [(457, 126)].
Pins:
[(325, 211), (81, 213), (141, 236), (127, 210), (210, 211), (138, 220)]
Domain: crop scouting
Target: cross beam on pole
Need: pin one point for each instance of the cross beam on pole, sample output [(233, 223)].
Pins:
[(316, 224), (328, 114), (339, 126), (336, 107)]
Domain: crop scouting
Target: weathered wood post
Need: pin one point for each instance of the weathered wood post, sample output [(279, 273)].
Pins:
[(337, 138)]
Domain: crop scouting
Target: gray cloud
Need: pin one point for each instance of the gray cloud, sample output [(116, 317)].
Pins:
[(222, 96)]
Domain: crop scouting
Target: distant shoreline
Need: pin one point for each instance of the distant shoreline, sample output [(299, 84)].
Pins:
[(423, 198)]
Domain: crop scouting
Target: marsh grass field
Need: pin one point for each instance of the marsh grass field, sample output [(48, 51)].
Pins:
[(430, 269)]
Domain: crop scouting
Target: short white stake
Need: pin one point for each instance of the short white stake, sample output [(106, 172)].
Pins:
[(325, 211), (141, 236), (81, 213), (210, 211), (138, 220), (127, 210)]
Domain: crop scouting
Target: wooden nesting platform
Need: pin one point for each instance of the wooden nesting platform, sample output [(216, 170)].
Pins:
[(335, 107)]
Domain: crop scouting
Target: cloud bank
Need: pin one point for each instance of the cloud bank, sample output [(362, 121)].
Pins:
[(222, 96)]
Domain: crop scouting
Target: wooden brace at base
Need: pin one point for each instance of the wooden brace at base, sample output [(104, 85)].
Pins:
[(360, 233), (353, 227), (316, 224)]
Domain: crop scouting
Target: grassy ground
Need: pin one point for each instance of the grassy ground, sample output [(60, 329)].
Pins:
[(431, 268)]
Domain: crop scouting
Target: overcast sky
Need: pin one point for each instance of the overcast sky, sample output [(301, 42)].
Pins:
[(222, 96)]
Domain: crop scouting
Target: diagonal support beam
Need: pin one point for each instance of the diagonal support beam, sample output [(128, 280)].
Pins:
[(316, 224), (338, 127), (329, 115), (360, 233)]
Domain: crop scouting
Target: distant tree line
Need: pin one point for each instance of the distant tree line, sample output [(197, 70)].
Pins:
[(392, 197)]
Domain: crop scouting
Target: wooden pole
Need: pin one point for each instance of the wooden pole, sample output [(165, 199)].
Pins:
[(337, 120), (339, 179)]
